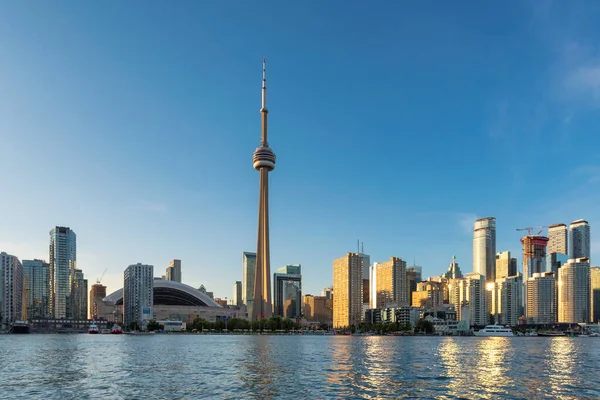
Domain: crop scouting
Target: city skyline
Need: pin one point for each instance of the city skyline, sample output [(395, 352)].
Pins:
[(203, 102)]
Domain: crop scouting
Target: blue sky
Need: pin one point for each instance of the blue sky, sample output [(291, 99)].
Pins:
[(397, 124)]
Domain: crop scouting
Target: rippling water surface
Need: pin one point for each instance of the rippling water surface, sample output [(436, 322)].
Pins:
[(234, 367)]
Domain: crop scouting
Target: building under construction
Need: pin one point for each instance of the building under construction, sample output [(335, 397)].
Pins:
[(534, 254)]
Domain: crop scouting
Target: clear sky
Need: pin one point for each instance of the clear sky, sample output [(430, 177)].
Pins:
[(398, 124)]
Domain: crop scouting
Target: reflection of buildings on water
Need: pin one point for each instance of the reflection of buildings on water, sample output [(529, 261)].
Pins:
[(260, 374)]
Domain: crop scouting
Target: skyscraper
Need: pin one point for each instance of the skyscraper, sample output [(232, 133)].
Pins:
[(264, 162), (97, 293), (484, 248), (574, 291), (174, 271), (392, 284), (506, 296), (595, 294), (454, 271), (347, 286), (63, 263), (37, 273), (237, 294), (79, 292), (248, 273), (505, 265), (534, 261), (541, 298), (138, 295), (11, 289), (287, 284), (579, 239), (469, 291), (557, 239)]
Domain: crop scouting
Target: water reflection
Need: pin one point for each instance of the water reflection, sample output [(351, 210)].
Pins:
[(492, 367), (560, 362), (261, 371)]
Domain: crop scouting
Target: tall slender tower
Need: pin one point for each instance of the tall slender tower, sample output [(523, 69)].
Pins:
[(264, 161)]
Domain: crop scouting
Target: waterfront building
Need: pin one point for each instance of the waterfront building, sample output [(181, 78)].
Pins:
[(63, 263), (248, 273), (505, 265), (78, 304), (237, 294), (347, 285), (317, 309), (429, 294), (37, 274), (507, 299), (392, 285), (469, 295), (579, 239), (574, 291), (138, 295), (557, 239), (454, 271), (541, 298), (174, 271), (11, 289), (595, 294), (287, 285), (97, 293), (401, 315), (484, 248), (534, 259), (264, 162), (172, 301), (373, 286)]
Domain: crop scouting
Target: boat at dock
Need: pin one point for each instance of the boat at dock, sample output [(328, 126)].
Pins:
[(495, 330), (93, 329), (20, 327), (116, 330)]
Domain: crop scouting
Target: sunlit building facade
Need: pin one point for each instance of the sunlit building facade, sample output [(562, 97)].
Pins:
[(469, 294), (541, 298), (505, 265), (237, 294), (173, 272), (37, 274), (454, 271), (558, 239), (595, 294), (248, 273), (317, 309), (574, 291), (391, 283), (507, 301), (428, 295), (484, 248), (63, 263), (347, 287)]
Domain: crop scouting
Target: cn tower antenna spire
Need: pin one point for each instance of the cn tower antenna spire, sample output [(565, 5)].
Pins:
[(263, 109)]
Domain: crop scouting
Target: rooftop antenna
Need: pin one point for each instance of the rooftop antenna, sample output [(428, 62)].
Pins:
[(358, 245), (363, 247)]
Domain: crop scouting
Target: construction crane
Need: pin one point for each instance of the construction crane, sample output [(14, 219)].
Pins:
[(529, 229), (99, 280)]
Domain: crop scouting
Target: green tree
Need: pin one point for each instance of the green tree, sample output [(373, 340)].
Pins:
[(424, 326), (153, 325), (286, 324), (134, 326)]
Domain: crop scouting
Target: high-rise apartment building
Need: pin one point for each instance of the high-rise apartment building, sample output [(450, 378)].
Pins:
[(248, 274), (63, 263), (373, 286), (595, 294), (507, 299), (579, 239), (484, 248), (554, 261), (557, 239), (347, 286), (79, 290), (505, 265), (534, 254), (37, 274), (237, 299), (429, 294), (317, 309), (138, 295), (469, 291), (97, 293), (417, 270), (541, 298), (11, 289), (391, 283), (174, 271), (287, 287), (574, 291)]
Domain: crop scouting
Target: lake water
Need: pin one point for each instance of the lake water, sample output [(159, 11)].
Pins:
[(236, 367)]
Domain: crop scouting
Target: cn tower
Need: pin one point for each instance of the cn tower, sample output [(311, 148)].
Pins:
[(264, 161)]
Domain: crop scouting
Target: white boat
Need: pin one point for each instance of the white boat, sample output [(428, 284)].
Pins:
[(93, 329), (495, 330)]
